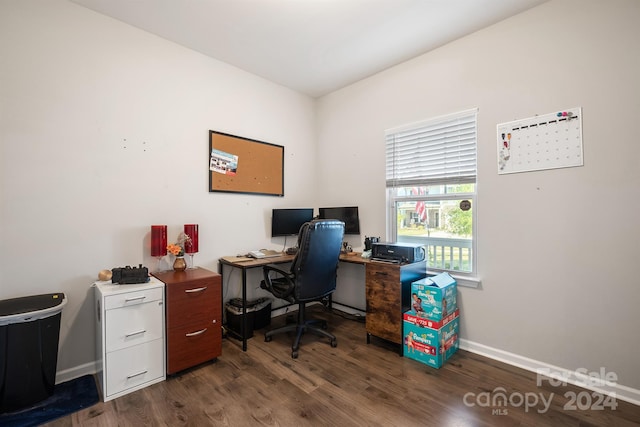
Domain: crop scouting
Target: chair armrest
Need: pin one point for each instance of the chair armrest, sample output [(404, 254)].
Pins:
[(273, 267), (281, 285)]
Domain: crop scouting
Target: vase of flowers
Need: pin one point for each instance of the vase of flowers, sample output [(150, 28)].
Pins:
[(179, 264), (177, 250)]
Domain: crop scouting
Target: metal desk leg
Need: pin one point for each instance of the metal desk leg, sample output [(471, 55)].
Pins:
[(244, 310)]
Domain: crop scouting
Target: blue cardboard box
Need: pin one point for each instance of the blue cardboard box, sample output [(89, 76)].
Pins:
[(434, 297), (432, 347)]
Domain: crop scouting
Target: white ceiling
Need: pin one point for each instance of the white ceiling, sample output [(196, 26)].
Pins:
[(312, 46)]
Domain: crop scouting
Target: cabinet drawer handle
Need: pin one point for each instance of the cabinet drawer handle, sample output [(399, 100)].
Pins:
[(135, 298), (382, 273), (188, 291), (135, 333), (136, 375), (193, 334)]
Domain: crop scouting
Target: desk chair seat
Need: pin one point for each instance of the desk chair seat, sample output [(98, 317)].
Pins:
[(312, 277)]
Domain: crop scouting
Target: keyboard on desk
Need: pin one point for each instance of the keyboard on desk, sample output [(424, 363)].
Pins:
[(264, 253)]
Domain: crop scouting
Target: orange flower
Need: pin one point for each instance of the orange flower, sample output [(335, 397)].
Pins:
[(175, 249)]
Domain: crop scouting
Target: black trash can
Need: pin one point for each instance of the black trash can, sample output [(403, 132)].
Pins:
[(262, 310), (29, 334), (258, 316), (235, 319)]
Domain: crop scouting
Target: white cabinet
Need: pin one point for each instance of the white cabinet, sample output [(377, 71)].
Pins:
[(130, 337)]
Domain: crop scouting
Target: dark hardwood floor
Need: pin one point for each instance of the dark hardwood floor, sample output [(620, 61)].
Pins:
[(354, 384)]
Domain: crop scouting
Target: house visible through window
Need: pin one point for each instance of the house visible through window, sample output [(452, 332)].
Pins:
[(431, 189)]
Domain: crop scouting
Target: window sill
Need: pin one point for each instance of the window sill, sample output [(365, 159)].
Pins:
[(464, 281), (467, 281)]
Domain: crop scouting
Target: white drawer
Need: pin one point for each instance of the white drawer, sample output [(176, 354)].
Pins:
[(133, 297), (134, 366), (132, 325)]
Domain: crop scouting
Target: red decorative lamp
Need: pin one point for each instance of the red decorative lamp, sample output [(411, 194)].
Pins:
[(158, 241), (191, 245)]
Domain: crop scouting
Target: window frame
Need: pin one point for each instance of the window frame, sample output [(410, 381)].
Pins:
[(393, 199)]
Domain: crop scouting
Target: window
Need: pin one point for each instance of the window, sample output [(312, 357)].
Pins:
[(431, 189)]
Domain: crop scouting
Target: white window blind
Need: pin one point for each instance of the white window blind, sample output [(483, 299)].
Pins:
[(437, 151)]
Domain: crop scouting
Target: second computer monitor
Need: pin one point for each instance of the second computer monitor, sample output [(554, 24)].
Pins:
[(348, 215)]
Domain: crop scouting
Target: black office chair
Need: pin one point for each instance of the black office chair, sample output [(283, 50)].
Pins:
[(311, 277)]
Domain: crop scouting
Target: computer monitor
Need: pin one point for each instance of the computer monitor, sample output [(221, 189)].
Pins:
[(348, 215), (287, 222)]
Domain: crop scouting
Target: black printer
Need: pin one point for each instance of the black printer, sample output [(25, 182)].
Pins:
[(398, 253)]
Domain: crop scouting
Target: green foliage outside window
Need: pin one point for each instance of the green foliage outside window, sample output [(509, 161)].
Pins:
[(458, 222)]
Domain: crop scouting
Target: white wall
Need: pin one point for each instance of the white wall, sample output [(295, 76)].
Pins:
[(104, 131), (556, 249)]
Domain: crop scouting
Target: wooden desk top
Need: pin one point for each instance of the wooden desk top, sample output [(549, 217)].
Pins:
[(245, 262), (354, 258)]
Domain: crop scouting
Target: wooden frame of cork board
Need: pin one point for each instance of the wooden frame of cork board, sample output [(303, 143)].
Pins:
[(243, 165)]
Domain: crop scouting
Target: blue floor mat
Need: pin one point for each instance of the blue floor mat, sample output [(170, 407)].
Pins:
[(67, 398)]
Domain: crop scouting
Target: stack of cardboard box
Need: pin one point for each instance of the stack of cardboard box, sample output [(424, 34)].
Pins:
[(431, 328)]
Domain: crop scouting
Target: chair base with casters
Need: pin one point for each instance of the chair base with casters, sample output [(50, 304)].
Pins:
[(317, 326)]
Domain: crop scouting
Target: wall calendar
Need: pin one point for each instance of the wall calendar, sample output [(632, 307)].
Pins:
[(549, 141)]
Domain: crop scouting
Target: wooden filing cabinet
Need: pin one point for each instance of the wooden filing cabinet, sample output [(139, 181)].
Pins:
[(130, 341), (388, 288), (193, 317)]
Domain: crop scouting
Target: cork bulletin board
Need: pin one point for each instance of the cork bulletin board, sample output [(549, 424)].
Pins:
[(243, 165)]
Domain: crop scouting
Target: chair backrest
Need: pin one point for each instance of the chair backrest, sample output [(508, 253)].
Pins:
[(316, 263)]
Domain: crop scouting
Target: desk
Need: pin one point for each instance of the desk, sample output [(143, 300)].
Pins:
[(244, 265)]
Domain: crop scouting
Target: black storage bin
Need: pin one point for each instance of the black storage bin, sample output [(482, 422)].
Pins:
[(262, 309), (234, 319), (29, 335), (258, 315)]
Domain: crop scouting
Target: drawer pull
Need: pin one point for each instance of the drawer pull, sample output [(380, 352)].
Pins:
[(136, 375), (382, 273), (135, 298), (189, 291), (135, 333), (193, 334)]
